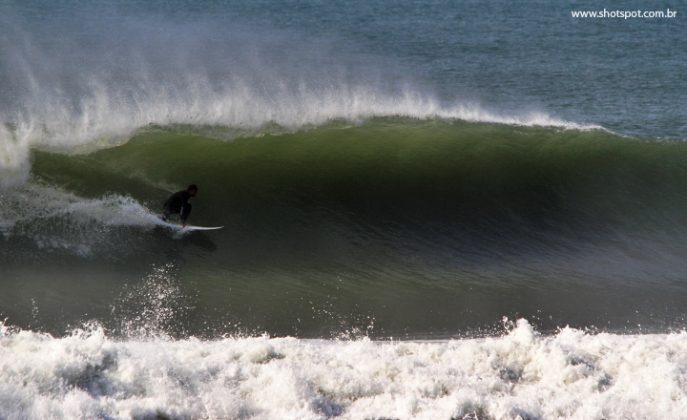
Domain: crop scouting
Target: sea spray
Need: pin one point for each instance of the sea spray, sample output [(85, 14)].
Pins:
[(87, 90), (571, 374), (54, 218)]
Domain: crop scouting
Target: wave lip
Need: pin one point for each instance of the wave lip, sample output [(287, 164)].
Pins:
[(474, 113), (109, 121), (571, 374)]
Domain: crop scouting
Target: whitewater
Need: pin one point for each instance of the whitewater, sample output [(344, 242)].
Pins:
[(521, 374)]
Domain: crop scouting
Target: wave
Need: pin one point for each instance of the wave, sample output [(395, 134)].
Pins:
[(331, 227), (521, 374), (398, 165), (107, 124), (86, 89), (454, 193), (400, 178)]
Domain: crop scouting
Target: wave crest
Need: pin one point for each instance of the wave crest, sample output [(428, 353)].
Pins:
[(86, 88)]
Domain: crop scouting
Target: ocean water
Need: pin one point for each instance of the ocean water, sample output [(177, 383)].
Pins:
[(431, 209)]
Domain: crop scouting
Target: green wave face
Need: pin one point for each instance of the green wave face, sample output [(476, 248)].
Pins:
[(396, 170), (394, 213)]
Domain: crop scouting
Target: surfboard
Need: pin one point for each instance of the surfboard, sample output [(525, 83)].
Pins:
[(191, 227), (187, 228)]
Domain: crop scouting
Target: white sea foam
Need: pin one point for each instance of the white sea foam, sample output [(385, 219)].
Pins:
[(519, 375)]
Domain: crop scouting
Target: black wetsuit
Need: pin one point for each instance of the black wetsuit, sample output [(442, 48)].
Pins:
[(178, 204)]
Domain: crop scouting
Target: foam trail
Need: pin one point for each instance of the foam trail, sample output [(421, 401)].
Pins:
[(56, 219), (519, 375), (32, 202), (90, 88)]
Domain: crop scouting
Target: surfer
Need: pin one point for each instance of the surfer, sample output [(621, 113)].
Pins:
[(178, 203)]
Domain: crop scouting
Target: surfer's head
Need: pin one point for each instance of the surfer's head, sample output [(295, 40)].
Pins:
[(192, 190)]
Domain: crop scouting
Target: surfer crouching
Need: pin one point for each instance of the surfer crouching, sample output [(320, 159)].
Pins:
[(178, 204)]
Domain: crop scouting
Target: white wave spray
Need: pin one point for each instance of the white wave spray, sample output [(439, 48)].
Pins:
[(56, 219), (90, 87)]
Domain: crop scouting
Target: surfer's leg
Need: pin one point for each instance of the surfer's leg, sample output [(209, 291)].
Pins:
[(169, 210), (185, 211)]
